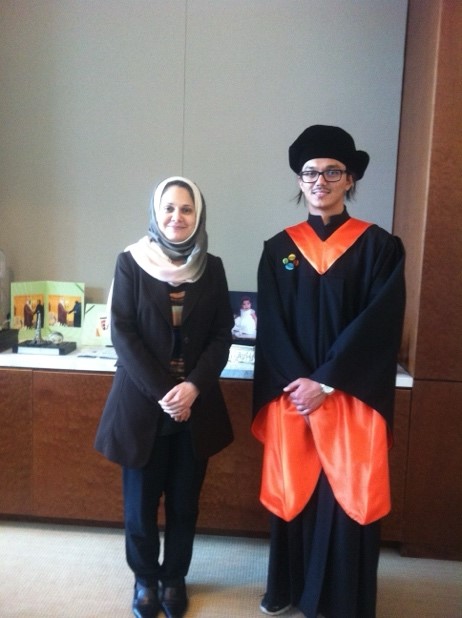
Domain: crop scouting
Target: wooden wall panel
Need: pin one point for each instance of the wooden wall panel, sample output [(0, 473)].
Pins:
[(429, 190), (439, 349), (428, 218), (414, 158)]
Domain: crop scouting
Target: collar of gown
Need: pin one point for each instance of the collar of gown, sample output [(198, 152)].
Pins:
[(324, 230)]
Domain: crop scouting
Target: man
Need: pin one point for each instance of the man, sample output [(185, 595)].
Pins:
[(331, 297)]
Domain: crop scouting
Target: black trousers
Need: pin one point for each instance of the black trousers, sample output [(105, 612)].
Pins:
[(174, 473)]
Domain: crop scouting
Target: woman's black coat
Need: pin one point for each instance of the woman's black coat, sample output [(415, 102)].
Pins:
[(142, 334)]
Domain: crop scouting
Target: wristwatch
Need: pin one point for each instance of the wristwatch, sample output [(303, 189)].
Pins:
[(327, 390)]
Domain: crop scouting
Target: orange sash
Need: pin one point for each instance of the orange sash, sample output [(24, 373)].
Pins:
[(344, 437), (324, 253)]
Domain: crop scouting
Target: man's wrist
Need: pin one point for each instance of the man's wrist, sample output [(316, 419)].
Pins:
[(326, 390)]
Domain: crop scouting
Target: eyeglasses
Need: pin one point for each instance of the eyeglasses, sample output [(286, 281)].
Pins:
[(331, 175)]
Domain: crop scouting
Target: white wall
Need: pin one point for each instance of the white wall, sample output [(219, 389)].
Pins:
[(101, 99)]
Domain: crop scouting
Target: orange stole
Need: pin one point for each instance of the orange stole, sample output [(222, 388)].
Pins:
[(322, 254), (344, 437)]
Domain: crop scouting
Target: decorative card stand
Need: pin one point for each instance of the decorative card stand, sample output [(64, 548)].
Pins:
[(58, 305)]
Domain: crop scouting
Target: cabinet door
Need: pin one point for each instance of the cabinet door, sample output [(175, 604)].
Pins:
[(230, 497), (433, 507), (72, 480), (15, 441), (392, 525)]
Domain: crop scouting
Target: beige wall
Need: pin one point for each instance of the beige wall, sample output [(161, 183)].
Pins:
[(100, 100)]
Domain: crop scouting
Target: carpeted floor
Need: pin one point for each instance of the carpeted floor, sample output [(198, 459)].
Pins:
[(50, 571)]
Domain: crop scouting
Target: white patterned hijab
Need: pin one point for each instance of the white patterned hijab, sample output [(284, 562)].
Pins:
[(155, 254)]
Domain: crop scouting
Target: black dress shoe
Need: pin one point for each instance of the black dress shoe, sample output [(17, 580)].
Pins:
[(174, 600), (145, 601), (274, 608)]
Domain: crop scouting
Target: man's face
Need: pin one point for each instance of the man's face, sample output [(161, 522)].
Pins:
[(325, 198)]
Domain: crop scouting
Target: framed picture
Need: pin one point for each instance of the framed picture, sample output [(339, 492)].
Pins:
[(96, 329), (245, 313)]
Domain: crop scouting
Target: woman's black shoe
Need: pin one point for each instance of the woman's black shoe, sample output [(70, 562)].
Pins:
[(145, 601), (174, 600)]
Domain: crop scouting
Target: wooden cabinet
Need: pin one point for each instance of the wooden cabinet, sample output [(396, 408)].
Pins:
[(49, 468), (433, 507), (15, 441), (229, 500), (71, 480), (392, 525)]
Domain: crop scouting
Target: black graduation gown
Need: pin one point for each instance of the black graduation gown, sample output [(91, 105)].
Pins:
[(341, 328)]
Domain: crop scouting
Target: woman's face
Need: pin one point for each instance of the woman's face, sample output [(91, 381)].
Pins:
[(177, 214)]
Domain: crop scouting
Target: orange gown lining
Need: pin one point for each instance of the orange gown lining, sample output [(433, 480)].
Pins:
[(344, 437)]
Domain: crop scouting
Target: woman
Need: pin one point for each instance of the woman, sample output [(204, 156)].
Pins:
[(171, 324), (331, 301)]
